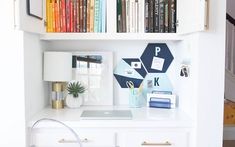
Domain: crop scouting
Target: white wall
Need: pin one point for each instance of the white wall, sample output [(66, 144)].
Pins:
[(210, 55), (12, 108), (36, 90), (134, 49)]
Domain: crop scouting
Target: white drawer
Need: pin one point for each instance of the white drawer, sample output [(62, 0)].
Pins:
[(156, 139), (63, 138)]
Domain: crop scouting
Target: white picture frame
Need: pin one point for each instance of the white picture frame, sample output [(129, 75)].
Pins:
[(95, 71)]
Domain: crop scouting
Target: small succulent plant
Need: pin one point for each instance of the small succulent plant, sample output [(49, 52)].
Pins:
[(75, 88)]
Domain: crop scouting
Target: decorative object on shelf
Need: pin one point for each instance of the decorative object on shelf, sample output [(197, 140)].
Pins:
[(157, 82), (135, 95), (157, 58), (57, 69), (35, 8), (94, 70), (74, 98), (184, 70), (130, 69), (147, 73)]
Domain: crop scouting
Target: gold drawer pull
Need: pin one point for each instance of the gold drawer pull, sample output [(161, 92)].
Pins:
[(85, 140), (167, 143)]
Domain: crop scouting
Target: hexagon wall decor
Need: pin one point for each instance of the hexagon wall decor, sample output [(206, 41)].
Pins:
[(156, 58)]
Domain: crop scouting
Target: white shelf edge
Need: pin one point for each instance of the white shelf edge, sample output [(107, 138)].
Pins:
[(112, 36)]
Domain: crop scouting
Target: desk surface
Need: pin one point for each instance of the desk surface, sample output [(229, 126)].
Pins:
[(141, 117)]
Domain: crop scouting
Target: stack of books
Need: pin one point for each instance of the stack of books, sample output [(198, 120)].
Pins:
[(128, 16), (160, 16), (76, 15), (161, 100)]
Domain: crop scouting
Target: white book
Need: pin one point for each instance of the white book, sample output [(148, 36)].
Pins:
[(132, 14), (127, 16), (136, 16), (141, 16)]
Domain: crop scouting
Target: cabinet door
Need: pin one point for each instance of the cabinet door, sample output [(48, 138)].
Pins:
[(63, 138), (26, 22), (157, 139), (191, 16)]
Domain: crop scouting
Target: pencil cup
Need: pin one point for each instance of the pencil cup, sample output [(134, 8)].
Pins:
[(135, 98)]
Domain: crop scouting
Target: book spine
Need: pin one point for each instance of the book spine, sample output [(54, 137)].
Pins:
[(123, 16), (132, 16), (78, 16), (57, 16), (161, 16), (92, 7), (100, 17), (103, 16), (136, 16), (166, 16), (60, 14), (81, 15), (151, 11), (71, 15), (49, 16), (88, 15), (96, 16), (67, 15), (63, 15), (74, 15), (172, 15), (127, 15), (156, 16), (146, 16), (119, 15), (53, 15), (85, 16)]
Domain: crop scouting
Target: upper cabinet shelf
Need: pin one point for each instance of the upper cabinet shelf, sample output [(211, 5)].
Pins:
[(111, 36), (190, 16)]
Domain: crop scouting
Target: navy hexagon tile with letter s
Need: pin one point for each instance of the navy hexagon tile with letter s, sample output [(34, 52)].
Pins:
[(156, 58)]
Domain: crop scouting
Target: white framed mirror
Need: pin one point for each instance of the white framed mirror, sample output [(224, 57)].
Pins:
[(95, 71)]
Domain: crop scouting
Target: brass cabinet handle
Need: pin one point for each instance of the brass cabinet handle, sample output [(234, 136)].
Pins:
[(167, 143), (85, 140)]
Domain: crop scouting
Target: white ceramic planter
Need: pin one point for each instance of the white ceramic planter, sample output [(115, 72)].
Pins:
[(72, 102)]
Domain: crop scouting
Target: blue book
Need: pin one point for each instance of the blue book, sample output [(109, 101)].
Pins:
[(103, 23), (100, 16), (96, 16)]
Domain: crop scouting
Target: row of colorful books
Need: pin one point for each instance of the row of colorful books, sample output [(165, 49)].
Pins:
[(76, 15), (128, 16), (160, 16)]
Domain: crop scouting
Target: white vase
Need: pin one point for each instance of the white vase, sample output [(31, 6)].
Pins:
[(73, 102)]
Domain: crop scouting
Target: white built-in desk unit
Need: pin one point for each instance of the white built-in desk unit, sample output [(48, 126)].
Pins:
[(148, 126)]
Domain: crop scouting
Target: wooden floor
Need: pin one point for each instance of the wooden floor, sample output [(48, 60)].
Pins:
[(229, 143)]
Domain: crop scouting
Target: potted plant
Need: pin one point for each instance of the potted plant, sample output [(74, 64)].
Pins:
[(73, 99)]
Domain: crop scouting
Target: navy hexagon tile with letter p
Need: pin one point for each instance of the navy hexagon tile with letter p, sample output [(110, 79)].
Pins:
[(156, 58)]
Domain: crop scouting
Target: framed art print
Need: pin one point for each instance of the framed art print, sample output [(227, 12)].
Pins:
[(35, 8)]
